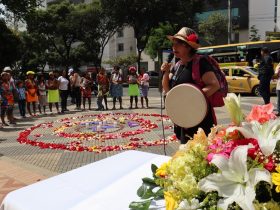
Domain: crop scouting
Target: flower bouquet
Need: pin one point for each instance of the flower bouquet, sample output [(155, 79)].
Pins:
[(234, 167)]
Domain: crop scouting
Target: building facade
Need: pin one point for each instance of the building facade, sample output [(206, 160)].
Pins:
[(265, 16)]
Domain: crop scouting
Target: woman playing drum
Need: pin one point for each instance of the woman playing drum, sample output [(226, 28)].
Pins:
[(184, 45)]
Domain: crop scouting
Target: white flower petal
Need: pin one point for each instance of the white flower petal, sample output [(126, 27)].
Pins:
[(238, 163), (256, 175), (247, 133), (189, 205), (224, 203), (246, 203), (217, 182), (220, 161)]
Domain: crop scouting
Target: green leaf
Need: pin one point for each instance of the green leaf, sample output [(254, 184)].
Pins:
[(141, 205), (148, 194), (141, 190), (145, 192), (159, 194), (154, 168), (150, 182)]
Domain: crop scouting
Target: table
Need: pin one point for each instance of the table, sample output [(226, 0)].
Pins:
[(108, 184)]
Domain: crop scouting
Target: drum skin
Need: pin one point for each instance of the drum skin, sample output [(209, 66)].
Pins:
[(186, 105)]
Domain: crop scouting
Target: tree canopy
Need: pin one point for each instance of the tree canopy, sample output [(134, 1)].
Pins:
[(214, 28), (9, 47), (146, 15), (20, 8)]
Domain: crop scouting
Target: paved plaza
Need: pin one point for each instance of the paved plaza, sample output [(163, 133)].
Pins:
[(21, 164)]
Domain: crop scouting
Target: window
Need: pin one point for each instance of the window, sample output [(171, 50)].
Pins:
[(225, 71), (238, 72), (120, 47), (120, 33)]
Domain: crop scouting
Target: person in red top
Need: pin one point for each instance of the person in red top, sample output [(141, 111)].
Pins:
[(31, 92), (103, 89), (7, 104)]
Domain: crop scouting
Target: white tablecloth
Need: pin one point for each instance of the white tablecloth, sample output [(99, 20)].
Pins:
[(109, 184)]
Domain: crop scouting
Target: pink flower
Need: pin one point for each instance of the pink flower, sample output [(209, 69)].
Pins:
[(261, 113)]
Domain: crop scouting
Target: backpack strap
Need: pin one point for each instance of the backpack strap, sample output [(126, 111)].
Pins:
[(196, 71)]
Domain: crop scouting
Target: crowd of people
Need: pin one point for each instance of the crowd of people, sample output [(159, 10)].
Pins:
[(37, 91)]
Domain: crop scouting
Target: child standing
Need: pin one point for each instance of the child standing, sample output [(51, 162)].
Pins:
[(42, 94), (21, 99)]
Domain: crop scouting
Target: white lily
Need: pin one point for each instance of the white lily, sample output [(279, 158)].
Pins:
[(233, 105), (189, 205), (234, 183), (267, 134)]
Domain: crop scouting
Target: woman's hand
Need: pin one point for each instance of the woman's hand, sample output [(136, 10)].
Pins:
[(165, 67)]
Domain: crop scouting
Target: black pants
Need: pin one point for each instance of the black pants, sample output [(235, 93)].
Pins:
[(63, 96), (265, 88), (21, 107), (78, 96)]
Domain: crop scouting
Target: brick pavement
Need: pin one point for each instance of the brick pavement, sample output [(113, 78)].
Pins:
[(21, 165)]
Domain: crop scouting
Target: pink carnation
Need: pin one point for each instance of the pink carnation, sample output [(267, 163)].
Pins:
[(261, 113)]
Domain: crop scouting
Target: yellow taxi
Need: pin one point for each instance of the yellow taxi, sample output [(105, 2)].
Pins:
[(244, 79)]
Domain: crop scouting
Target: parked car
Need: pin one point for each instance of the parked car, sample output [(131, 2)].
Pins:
[(244, 79), (154, 78)]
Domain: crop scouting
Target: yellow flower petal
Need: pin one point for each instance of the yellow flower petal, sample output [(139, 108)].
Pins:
[(170, 202)]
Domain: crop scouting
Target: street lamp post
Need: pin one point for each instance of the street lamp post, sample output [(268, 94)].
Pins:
[(229, 21)]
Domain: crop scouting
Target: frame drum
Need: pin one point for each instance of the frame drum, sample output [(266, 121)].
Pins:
[(186, 105)]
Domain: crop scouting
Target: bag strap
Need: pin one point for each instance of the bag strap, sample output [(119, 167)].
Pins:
[(196, 71)]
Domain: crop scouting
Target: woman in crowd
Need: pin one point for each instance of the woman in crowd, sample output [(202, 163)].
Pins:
[(103, 89), (6, 92), (63, 90), (116, 87), (75, 81), (86, 87), (42, 94), (185, 44), (133, 88), (31, 92), (53, 93), (144, 87)]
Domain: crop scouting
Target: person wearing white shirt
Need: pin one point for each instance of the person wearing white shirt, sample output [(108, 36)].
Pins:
[(63, 90), (116, 87)]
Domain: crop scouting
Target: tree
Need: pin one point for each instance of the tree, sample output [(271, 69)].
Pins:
[(254, 36), (34, 54), (158, 40), (123, 61), (20, 8), (214, 28), (9, 47), (59, 25), (144, 15), (95, 31)]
